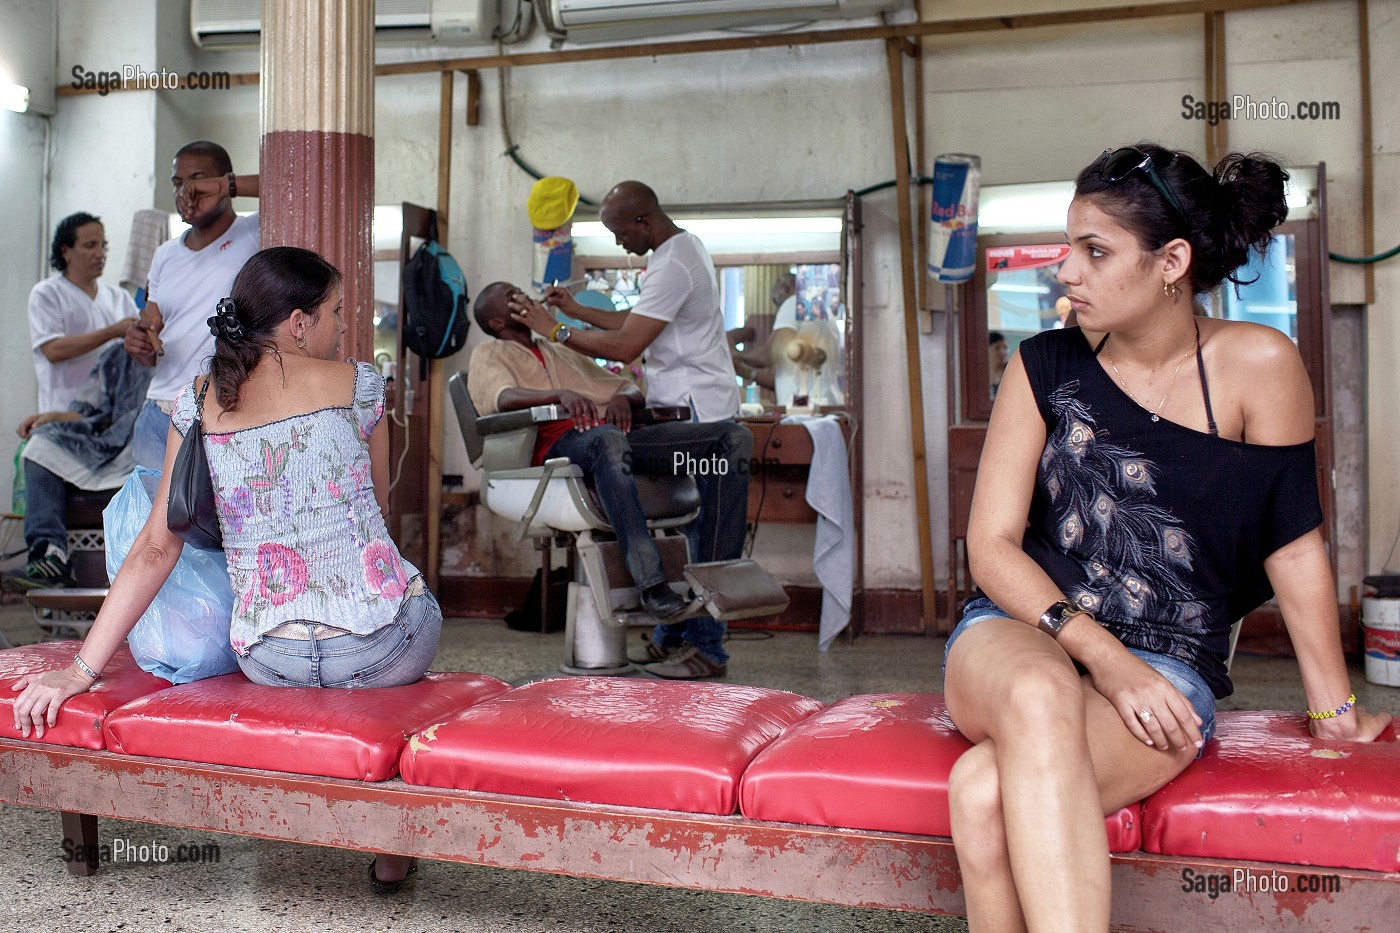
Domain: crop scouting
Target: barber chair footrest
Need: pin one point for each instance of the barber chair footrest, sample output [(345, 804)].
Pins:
[(736, 589)]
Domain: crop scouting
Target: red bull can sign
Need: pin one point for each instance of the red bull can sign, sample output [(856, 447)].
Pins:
[(957, 180)]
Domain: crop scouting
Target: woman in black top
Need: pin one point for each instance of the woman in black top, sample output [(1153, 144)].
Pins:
[(1148, 477)]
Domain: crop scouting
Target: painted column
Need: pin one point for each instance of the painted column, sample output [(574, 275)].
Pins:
[(317, 160)]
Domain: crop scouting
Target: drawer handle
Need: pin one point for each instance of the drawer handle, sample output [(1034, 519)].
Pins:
[(777, 443), (787, 492)]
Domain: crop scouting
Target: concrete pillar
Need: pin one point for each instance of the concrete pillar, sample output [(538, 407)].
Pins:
[(317, 160)]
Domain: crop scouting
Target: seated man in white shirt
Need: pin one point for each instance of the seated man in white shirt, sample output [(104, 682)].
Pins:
[(71, 314)]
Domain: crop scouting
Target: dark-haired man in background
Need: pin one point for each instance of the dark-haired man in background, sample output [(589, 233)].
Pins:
[(189, 275)]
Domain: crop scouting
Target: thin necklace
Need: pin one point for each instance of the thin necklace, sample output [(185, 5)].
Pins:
[(1151, 411)]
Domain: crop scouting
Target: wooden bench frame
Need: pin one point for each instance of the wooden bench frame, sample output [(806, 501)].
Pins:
[(729, 854)]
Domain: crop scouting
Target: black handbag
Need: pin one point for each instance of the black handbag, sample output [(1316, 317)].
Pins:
[(192, 512)]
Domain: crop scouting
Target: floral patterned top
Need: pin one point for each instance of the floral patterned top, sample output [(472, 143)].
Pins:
[(303, 533)]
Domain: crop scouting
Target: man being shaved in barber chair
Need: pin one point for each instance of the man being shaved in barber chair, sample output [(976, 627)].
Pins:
[(516, 370)]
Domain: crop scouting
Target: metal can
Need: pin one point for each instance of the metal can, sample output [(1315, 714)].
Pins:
[(957, 181)]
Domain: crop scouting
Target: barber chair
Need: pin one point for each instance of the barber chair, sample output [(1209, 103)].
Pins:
[(68, 612), (555, 507)]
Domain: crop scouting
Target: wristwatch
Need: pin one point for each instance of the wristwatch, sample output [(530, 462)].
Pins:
[(1054, 618), (562, 333)]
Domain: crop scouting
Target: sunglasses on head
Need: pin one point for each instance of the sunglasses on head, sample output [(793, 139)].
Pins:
[(1120, 163)]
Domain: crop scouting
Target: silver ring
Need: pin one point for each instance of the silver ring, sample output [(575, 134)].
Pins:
[(1145, 715)]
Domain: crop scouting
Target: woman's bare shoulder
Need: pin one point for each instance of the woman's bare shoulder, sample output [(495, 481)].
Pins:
[(1261, 367)]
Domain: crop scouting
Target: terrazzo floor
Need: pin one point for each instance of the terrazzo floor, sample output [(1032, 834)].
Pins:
[(270, 886)]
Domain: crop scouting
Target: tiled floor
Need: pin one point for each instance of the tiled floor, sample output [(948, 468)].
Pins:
[(270, 886)]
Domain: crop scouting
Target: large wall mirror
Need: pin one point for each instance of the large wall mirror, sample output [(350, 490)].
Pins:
[(789, 344)]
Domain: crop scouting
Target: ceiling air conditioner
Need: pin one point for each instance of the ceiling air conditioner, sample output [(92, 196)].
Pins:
[(234, 24), (609, 20)]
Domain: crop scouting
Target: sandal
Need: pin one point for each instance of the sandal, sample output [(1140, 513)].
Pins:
[(390, 887)]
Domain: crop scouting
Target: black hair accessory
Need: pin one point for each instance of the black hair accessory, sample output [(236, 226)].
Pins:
[(225, 324)]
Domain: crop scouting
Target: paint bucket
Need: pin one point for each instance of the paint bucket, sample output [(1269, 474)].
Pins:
[(1380, 629), (957, 181)]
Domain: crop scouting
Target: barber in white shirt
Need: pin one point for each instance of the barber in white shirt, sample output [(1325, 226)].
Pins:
[(678, 325)]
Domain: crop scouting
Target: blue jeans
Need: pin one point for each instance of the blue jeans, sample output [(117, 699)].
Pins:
[(1177, 672), (680, 448), (45, 507), (395, 654), (149, 435)]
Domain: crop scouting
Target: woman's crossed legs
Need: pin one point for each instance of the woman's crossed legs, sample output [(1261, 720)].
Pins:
[(1052, 757)]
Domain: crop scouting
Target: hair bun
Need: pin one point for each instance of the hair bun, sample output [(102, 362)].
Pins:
[(1250, 205)]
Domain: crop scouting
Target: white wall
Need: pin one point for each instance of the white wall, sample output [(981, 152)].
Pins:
[(808, 123), (26, 52)]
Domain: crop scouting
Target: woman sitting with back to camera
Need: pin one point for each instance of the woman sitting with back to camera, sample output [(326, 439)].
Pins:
[(298, 449), (1148, 477)]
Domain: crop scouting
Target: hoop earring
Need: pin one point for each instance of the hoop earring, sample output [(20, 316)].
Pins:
[(1171, 290), (301, 342)]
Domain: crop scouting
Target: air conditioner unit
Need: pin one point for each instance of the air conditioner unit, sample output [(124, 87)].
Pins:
[(234, 24), (609, 20)]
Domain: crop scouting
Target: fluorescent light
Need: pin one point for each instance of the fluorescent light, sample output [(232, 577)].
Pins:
[(731, 226), (1028, 289), (14, 97)]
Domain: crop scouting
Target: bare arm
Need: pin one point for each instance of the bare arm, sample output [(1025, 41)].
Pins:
[(562, 299), (623, 345), (1277, 407), (379, 464), (27, 426), (146, 568), (75, 345)]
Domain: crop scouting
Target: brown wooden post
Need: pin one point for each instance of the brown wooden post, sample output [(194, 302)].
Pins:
[(894, 51), (317, 164)]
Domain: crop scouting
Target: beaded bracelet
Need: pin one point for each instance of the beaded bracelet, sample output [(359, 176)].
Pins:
[(1351, 701), (82, 666)]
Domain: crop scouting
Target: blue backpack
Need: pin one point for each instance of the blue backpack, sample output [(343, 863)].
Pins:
[(434, 305)]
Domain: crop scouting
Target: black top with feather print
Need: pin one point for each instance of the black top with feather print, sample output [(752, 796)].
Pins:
[(1159, 530)]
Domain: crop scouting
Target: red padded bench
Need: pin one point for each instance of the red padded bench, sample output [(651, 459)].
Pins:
[(712, 786)]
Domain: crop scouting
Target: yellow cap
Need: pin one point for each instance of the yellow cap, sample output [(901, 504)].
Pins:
[(551, 203)]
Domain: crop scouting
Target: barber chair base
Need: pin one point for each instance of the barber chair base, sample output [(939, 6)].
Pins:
[(596, 644), (593, 646)]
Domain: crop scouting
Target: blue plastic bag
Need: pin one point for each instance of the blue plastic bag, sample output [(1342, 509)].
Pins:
[(183, 636)]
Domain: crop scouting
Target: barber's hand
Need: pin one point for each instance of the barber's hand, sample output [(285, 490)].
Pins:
[(557, 296), (1356, 725), (29, 424), (1132, 686), (531, 313), (120, 328), (43, 695), (582, 412), (619, 413)]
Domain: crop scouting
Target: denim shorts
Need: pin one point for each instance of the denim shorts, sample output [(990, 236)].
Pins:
[(1177, 672), (392, 655)]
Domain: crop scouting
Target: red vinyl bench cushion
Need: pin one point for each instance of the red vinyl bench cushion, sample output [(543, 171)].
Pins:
[(80, 718), (327, 732), (1266, 790), (638, 743), (878, 762)]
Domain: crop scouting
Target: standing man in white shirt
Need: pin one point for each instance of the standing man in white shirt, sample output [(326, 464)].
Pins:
[(71, 314), (189, 275), (678, 326)]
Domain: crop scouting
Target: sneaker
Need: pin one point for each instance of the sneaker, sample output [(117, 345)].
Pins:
[(662, 603), (45, 570), (687, 664), (654, 652)]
